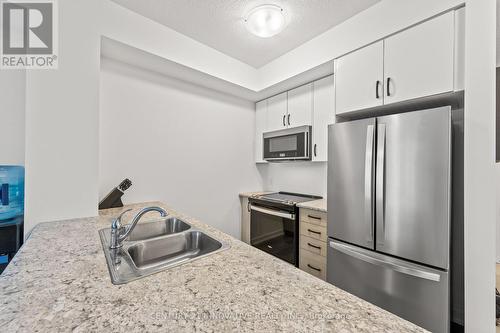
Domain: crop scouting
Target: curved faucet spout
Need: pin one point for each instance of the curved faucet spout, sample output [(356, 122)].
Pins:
[(119, 234)]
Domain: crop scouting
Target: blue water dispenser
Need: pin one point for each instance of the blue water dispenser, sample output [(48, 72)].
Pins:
[(11, 212)]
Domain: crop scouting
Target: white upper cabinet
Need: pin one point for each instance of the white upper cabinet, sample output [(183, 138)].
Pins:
[(277, 112), (424, 60), (300, 106), (419, 61), (359, 79), (323, 115), (260, 128)]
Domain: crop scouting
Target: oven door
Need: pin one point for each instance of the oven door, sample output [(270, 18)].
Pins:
[(288, 144), (274, 231)]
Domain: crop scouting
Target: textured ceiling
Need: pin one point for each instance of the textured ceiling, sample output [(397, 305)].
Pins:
[(219, 23)]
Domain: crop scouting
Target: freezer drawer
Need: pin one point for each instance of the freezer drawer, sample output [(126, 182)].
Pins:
[(413, 292)]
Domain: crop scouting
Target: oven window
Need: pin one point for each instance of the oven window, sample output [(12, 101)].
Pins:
[(284, 143), (274, 235)]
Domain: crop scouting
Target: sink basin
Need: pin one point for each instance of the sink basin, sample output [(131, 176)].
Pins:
[(148, 230), (156, 246), (166, 251)]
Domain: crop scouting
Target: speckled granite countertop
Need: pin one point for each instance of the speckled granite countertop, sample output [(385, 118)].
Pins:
[(249, 194), (59, 282), (319, 205)]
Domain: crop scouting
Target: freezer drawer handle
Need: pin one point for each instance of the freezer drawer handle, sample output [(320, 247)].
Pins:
[(273, 212), (315, 246), (312, 267), (348, 250), (314, 232)]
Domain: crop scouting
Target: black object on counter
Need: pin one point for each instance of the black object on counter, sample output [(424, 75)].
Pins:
[(113, 199), (11, 239)]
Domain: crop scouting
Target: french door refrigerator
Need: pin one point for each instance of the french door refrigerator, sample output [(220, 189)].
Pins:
[(389, 206)]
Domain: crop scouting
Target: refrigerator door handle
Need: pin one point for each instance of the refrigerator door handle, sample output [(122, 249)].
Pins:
[(369, 179), (401, 268), (380, 182)]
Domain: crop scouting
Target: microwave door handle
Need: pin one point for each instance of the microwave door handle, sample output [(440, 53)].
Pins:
[(398, 267), (273, 212), (369, 180), (308, 151)]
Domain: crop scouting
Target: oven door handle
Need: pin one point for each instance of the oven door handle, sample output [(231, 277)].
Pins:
[(273, 212)]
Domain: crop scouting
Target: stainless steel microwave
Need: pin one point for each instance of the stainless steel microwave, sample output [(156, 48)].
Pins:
[(288, 144)]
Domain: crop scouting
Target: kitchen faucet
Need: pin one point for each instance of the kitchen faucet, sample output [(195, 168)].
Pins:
[(119, 233)]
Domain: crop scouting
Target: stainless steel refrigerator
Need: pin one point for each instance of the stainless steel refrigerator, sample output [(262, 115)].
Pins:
[(389, 213)]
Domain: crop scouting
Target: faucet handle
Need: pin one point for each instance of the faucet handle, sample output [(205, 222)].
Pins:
[(119, 218), (117, 221)]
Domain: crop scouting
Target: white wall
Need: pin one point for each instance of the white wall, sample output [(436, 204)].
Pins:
[(186, 145), (299, 177), (62, 109), (150, 36), (12, 113)]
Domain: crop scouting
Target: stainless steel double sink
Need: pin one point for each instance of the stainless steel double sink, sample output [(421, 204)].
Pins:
[(156, 246)]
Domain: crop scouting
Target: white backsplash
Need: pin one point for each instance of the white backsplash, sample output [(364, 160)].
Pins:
[(299, 177)]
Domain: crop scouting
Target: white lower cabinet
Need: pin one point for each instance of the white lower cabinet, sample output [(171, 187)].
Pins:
[(313, 242), (245, 220), (323, 115)]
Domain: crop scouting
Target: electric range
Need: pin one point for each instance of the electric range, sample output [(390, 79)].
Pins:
[(274, 223)]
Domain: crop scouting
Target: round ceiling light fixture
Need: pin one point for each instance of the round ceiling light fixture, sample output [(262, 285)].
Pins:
[(265, 20)]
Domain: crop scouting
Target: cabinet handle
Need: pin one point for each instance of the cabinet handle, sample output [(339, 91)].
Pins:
[(314, 217), (288, 119), (316, 247), (388, 88), (315, 149), (312, 267), (377, 86), (314, 232), (284, 124), (248, 206)]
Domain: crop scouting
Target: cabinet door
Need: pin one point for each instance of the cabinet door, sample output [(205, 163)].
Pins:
[(276, 112), (245, 220), (300, 104), (360, 79), (324, 104), (260, 127), (420, 61)]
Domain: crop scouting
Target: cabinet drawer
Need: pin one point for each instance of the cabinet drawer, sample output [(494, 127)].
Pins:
[(313, 264), (313, 245), (313, 231), (313, 216)]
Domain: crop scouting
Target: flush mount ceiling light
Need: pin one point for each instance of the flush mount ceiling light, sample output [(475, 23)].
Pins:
[(265, 21)]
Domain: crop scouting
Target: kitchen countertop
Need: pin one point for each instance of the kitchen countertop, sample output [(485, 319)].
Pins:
[(59, 281), (319, 205), (249, 194)]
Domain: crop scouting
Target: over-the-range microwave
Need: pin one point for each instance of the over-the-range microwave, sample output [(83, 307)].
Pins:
[(288, 144)]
